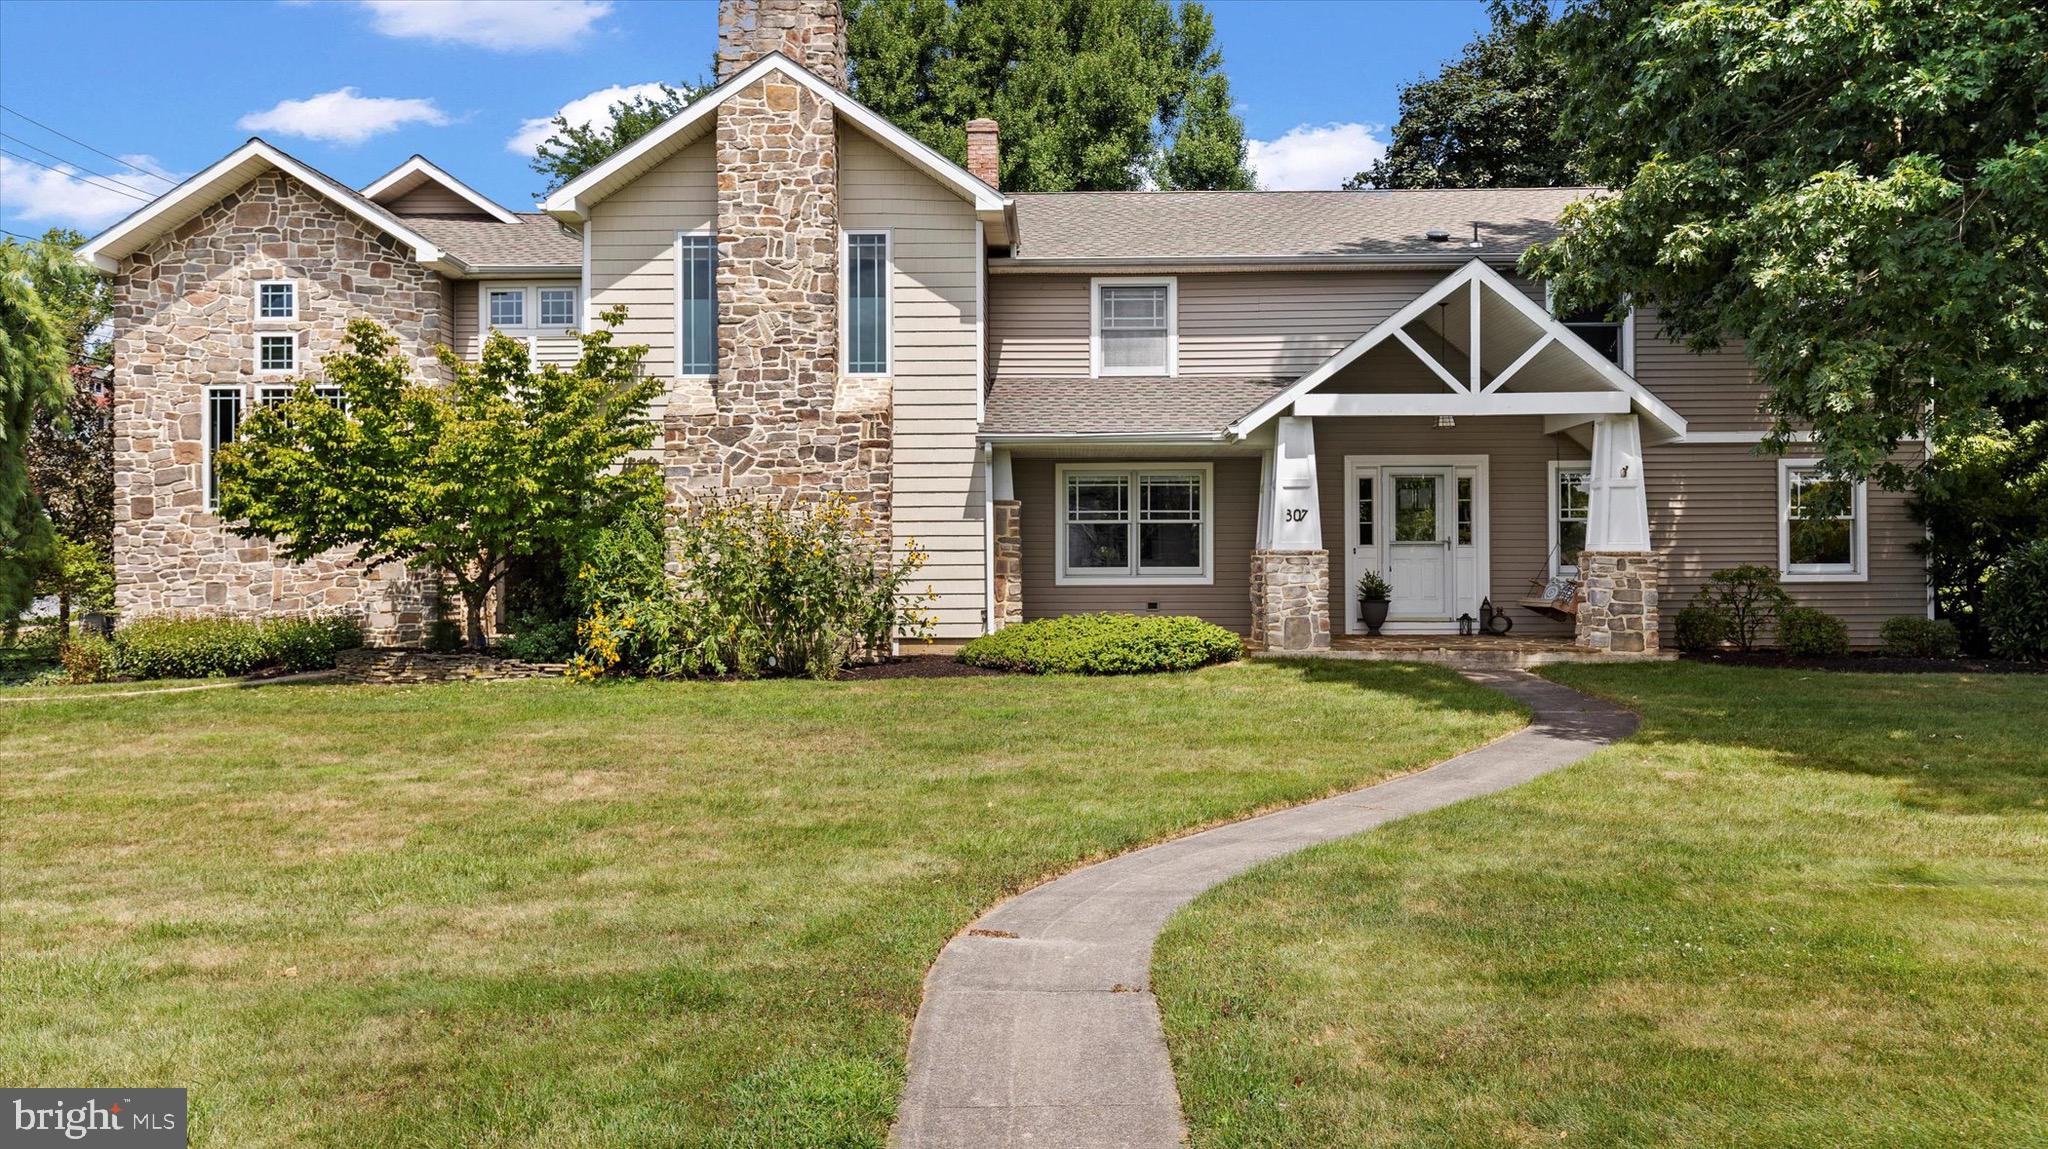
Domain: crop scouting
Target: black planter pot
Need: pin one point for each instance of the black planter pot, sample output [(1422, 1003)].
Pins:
[(1372, 614)]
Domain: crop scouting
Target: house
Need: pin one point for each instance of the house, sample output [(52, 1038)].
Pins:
[(1230, 404)]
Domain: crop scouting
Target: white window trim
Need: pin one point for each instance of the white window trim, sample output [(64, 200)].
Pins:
[(888, 301), (256, 302), (530, 303), (540, 319), (263, 372), (1628, 329), (1206, 576), (483, 306), (677, 366), (209, 498), (1558, 567), (1858, 569), (1095, 285)]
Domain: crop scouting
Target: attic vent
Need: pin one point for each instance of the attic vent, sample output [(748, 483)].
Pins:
[(1438, 235)]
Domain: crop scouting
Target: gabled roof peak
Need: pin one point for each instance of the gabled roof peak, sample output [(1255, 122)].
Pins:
[(418, 170)]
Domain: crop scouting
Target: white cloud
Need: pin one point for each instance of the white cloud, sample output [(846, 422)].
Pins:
[(1311, 157), (506, 25), (581, 110), (72, 198), (342, 116)]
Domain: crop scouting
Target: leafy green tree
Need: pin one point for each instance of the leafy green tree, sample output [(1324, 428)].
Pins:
[(573, 149), (78, 575), (465, 477), (1488, 119), (1091, 94), (1981, 498), (1858, 192), (70, 447), (34, 376)]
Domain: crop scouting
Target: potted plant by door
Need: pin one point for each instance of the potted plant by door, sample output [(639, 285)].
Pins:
[(1373, 593)]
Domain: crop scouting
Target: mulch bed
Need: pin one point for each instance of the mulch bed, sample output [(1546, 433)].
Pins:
[(917, 666), (1871, 663)]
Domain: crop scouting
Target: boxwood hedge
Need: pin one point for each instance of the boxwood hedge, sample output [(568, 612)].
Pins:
[(1104, 644)]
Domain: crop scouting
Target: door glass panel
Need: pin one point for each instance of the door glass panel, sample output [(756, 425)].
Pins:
[(1415, 507), (1365, 535)]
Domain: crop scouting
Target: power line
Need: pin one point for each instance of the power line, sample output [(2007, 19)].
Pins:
[(118, 189), (73, 163), (18, 235), (88, 147)]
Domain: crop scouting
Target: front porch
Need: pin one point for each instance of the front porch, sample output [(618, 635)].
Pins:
[(1463, 652)]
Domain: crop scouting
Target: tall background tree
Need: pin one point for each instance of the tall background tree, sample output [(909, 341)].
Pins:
[(1856, 192), (71, 447), (1487, 119), (1091, 94), (34, 375)]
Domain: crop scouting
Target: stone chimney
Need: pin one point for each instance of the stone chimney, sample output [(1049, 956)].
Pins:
[(984, 156), (810, 32)]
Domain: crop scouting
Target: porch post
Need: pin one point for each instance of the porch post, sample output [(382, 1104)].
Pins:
[(1618, 571), (1290, 570), (1007, 576)]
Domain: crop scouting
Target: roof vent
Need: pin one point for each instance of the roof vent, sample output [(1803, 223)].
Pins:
[(1438, 235)]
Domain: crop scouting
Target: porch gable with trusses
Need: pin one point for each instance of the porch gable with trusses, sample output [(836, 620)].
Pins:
[(1498, 352)]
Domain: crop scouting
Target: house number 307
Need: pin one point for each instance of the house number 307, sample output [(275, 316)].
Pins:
[(1296, 514)]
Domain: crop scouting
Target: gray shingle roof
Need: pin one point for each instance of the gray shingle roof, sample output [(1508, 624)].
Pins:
[(1283, 225), (535, 241), (1123, 405)]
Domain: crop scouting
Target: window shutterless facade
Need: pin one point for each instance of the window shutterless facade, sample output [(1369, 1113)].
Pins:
[(557, 307), (1133, 326), (696, 303), (1570, 505), (1136, 524), (1822, 525), (867, 303), (277, 354), (223, 415), (507, 307), (277, 299)]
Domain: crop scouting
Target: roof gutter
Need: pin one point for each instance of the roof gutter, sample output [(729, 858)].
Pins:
[(1011, 265), (1101, 438)]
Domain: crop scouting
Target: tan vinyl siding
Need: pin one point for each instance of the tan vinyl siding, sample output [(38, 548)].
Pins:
[(1038, 325), (1518, 476), (633, 248), (1226, 601), (939, 501), (1716, 391), (467, 331), (431, 198), (1714, 506)]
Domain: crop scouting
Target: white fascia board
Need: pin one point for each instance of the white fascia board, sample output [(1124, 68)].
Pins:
[(1093, 438), (1465, 403), (573, 200), (104, 251), (422, 166)]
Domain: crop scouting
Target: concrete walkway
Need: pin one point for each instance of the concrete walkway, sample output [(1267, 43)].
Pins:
[(1039, 1027)]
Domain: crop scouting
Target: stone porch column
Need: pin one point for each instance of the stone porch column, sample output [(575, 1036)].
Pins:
[(1008, 528), (1290, 570), (1618, 572)]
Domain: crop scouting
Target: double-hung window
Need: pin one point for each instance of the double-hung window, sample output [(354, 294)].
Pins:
[(1134, 326), (1134, 524), (277, 299), (277, 354), (507, 307), (557, 307), (867, 302), (1821, 525), (696, 304), (1570, 504), (223, 414)]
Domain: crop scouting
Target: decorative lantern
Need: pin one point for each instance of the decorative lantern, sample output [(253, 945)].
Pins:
[(1465, 623)]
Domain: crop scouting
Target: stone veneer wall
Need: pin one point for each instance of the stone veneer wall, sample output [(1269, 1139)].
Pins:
[(1618, 610), (1291, 600), (1008, 609), (183, 320), (810, 32), (780, 422), (404, 667)]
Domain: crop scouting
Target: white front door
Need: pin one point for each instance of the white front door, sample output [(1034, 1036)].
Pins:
[(1418, 502)]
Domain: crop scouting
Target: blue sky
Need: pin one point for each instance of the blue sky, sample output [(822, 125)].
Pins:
[(147, 91)]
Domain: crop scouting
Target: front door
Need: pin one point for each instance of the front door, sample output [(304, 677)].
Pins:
[(1418, 559)]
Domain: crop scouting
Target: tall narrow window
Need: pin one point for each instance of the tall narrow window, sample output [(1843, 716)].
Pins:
[(1464, 510), (277, 354), (867, 303), (223, 415), (696, 305), (558, 307), (508, 307), (277, 299), (1820, 524), (1569, 504), (1134, 328), (1366, 538)]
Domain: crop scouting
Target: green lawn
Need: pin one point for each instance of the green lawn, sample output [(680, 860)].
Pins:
[(1796, 910), (656, 914)]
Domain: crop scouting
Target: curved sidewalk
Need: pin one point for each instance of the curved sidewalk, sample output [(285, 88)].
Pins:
[(1038, 1025)]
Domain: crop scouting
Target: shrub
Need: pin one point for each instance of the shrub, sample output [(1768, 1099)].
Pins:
[(1806, 632), (538, 637), (1104, 644), (299, 644), (174, 647), (1747, 598), (759, 589), (1912, 636), (1373, 588), (1699, 628), (87, 658), (2016, 603)]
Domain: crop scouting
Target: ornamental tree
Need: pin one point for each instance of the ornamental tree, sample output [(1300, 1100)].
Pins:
[(462, 477), (1856, 191)]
